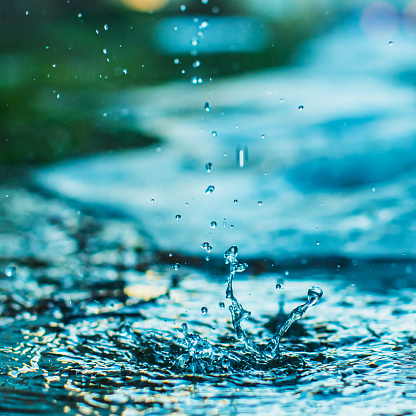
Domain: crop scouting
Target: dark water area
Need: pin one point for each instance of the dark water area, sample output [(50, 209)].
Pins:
[(176, 137)]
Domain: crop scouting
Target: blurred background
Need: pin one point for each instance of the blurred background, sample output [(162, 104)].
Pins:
[(313, 103)]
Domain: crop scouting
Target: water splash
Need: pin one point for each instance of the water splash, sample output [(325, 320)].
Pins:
[(238, 313)]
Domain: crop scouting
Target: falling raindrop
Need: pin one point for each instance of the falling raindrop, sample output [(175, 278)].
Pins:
[(176, 266), (196, 64), (317, 243), (183, 8), (178, 217), (391, 43), (10, 271), (204, 310), (208, 167), (213, 224), (279, 286), (152, 200), (204, 24), (260, 203), (300, 108), (106, 26), (214, 133), (210, 189), (235, 201), (263, 136), (222, 305), (207, 106)]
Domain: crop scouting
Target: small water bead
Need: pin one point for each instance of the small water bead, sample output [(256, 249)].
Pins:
[(204, 1), (106, 26), (204, 24), (10, 271), (178, 217), (215, 134), (260, 203), (206, 247), (105, 51), (204, 310), (176, 266), (196, 64), (176, 61), (152, 200), (314, 294), (213, 224), (183, 8), (206, 258), (300, 108), (263, 136), (391, 43), (208, 167), (279, 286), (235, 201), (317, 243), (222, 305), (225, 362), (210, 189), (207, 106)]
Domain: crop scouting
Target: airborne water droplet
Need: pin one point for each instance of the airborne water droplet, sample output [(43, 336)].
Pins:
[(235, 201), (222, 305), (314, 294), (196, 64), (208, 167), (207, 106), (300, 108), (178, 217), (214, 133), (204, 310), (279, 286), (213, 224), (176, 266), (10, 271), (317, 243), (210, 189), (260, 203)]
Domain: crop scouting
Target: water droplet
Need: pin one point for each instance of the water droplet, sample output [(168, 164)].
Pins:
[(263, 136), (222, 305), (260, 203), (314, 294), (300, 108), (207, 106), (287, 273), (391, 43), (235, 201), (281, 100), (317, 243), (176, 61), (27, 13), (176, 266), (152, 200), (170, 254), (105, 51), (194, 80), (210, 189), (125, 70), (208, 167), (204, 1), (279, 286), (206, 258), (178, 217), (194, 42), (196, 64), (225, 362), (204, 24), (10, 271), (204, 310), (213, 224), (214, 133), (106, 26), (79, 15), (206, 247), (183, 8), (373, 189)]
